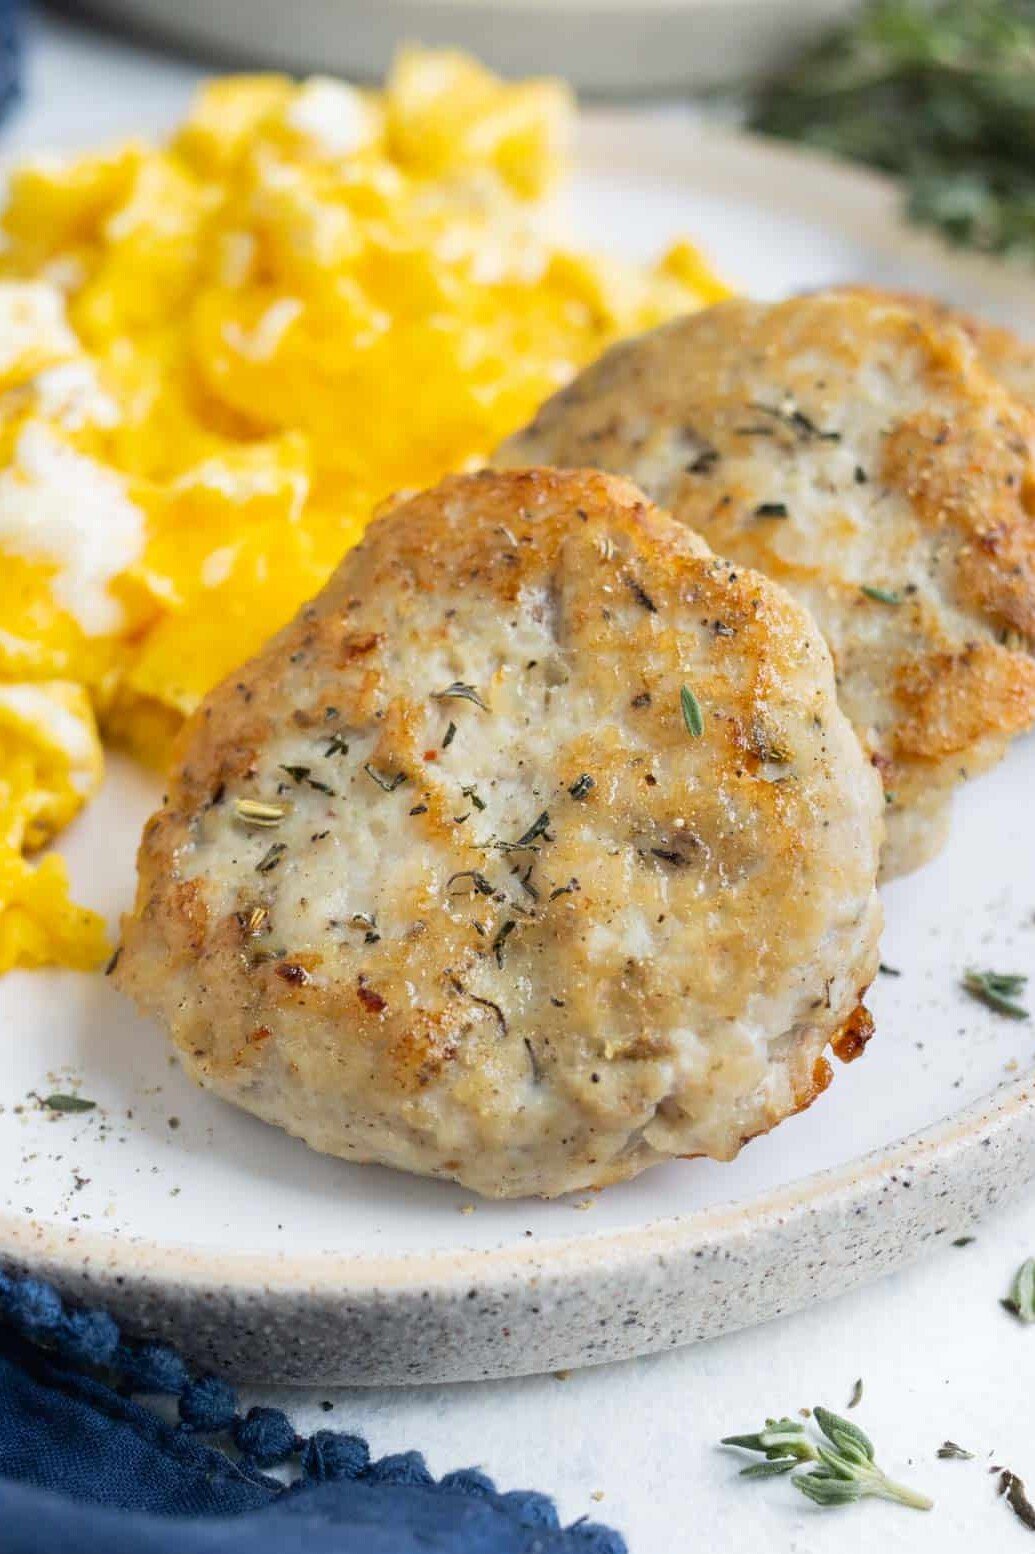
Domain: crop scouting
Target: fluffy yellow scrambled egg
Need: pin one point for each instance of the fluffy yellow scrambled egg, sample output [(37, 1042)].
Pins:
[(216, 356)]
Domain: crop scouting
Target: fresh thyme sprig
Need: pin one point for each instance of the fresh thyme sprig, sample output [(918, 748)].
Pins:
[(1021, 1300), (999, 990), (941, 92), (845, 1469), (952, 1451)]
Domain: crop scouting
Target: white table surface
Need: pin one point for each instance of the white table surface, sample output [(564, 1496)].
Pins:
[(937, 1355)]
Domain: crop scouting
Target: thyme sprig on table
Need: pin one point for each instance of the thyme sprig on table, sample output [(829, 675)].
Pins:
[(939, 92), (999, 990), (845, 1469), (1020, 1302)]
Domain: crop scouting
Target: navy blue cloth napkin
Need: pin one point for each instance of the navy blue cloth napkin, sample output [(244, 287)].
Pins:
[(10, 58), (84, 1467)]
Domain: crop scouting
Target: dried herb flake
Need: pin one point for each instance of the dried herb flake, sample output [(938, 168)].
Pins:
[(461, 692), (388, 784), (537, 829), (271, 858)]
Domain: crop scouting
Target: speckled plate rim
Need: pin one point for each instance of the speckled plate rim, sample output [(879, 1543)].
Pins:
[(566, 1301), (1003, 1121), (555, 1303)]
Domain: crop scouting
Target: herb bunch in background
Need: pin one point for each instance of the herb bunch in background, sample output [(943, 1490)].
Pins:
[(940, 92)]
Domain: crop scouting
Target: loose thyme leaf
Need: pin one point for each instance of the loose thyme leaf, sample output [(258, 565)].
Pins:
[(462, 692), (772, 510), (1021, 1300), (692, 714), (999, 990), (450, 735), (68, 1103), (256, 813), (949, 1449), (843, 1470), (881, 595), (1016, 1498), (857, 1392)]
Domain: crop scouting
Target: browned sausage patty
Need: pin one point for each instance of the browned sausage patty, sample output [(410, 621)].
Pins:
[(859, 453), (564, 855)]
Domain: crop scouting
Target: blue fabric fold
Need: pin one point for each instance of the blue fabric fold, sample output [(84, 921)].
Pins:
[(349, 1518), (87, 1469)]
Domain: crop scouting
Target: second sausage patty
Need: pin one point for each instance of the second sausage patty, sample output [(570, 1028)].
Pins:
[(860, 454)]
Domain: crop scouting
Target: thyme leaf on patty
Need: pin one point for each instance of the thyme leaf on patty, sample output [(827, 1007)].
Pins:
[(537, 829), (304, 774), (461, 692), (256, 813), (880, 595), (270, 858), (389, 784), (501, 938), (692, 714)]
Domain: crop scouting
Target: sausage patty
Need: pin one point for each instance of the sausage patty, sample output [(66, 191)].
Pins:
[(861, 454), (534, 851)]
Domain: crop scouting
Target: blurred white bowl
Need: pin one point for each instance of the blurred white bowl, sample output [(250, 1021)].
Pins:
[(608, 46)]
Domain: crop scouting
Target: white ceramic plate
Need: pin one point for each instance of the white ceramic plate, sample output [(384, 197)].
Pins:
[(197, 1222), (619, 47)]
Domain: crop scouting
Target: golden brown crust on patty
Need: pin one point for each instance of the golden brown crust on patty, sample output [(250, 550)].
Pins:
[(1003, 353), (859, 453), (516, 923)]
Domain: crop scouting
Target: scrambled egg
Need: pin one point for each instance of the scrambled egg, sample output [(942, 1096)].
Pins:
[(217, 356)]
